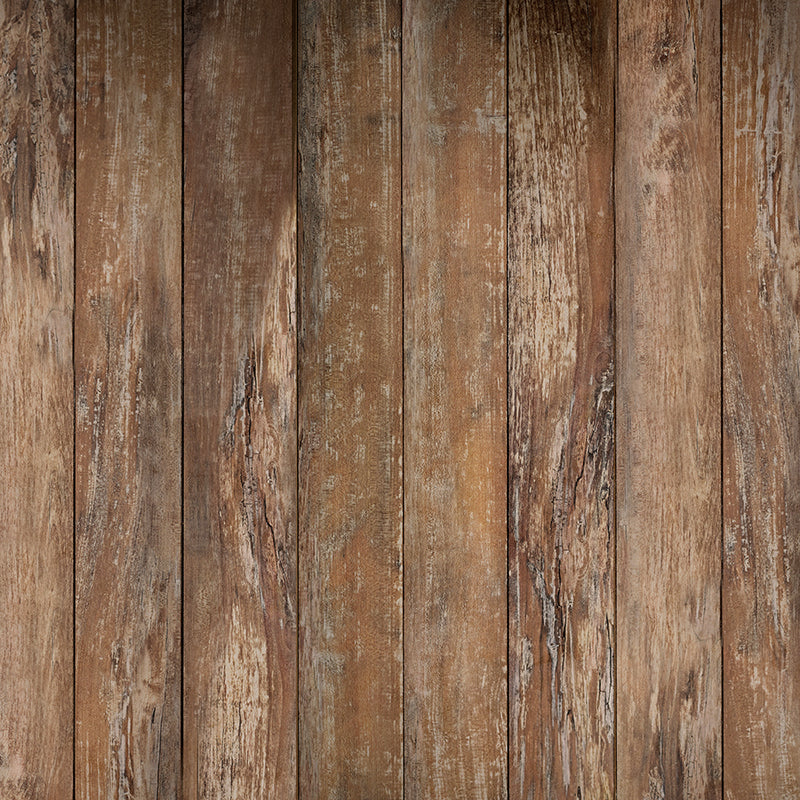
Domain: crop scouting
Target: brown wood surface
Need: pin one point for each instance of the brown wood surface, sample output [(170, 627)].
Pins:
[(761, 251), (668, 395), (399, 399), (128, 400), (351, 394), (561, 398), (240, 452), (454, 184), (36, 291)]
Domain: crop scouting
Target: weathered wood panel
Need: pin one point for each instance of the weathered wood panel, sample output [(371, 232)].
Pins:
[(240, 445), (454, 186), (668, 393), (128, 399), (36, 291), (761, 251), (561, 398), (351, 393)]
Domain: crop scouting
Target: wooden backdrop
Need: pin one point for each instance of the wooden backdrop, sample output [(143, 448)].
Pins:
[(399, 398)]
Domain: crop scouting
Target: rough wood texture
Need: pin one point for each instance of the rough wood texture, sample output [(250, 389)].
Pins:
[(240, 416), (454, 185), (761, 251), (561, 398), (128, 400), (36, 290), (351, 393), (668, 395)]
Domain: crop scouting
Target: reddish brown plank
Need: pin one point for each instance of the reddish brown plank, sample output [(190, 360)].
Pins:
[(454, 186), (128, 401), (240, 709), (668, 393), (561, 398), (36, 297), (351, 394), (761, 250)]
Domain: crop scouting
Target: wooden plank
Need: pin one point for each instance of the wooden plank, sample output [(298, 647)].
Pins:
[(351, 394), (128, 400), (36, 447), (454, 185), (668, 390), (240, 685), (761, 249), (561, 398)]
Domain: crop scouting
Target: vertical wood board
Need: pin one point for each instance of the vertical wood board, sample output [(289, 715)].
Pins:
[(761, 250), (240, 418), (351, 394), (36, 435), (668, 391), (561, 398), (128, 400), (454, 242)]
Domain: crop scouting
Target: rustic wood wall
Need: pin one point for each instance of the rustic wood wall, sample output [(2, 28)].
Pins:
[(400, 398)]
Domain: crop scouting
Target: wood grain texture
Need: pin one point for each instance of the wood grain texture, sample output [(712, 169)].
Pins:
[(454, 185), (351, 394), (668, 393), (128, 400), (240, 446), (561, 398), (761, 251), (36, 291)]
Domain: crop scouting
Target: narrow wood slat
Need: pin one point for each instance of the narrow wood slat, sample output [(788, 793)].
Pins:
[(36, 296), (351, 392), (454, 185), (240, 451), (561, 398), (761, 250), (668, 390), (128, 400)]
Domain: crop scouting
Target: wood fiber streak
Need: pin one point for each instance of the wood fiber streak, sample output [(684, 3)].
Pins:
[(761, 308), (668, 393), (561, 398), (128, 400), (351, 393), (240, 441), (36, 291), (454, 185)]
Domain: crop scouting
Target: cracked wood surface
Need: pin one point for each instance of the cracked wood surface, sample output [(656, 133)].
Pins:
[(668, 396), (128, 400), (761, 251), (561, 399), (454, 184), (308, 522), (240, 451), (351, 394), (36, 291)]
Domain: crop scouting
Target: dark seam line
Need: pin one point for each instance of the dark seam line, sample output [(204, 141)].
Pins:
[(183, 395), (403, 430), (402, 424), (721, 420), (508, 421), (615, 521), (297, 309), (74, 388)]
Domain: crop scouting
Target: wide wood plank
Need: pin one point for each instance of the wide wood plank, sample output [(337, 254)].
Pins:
[(761, 251), (36, 291), (240, 708), (128, 400), (668, 392), (351, 393), (561, 398), (454, 186)]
